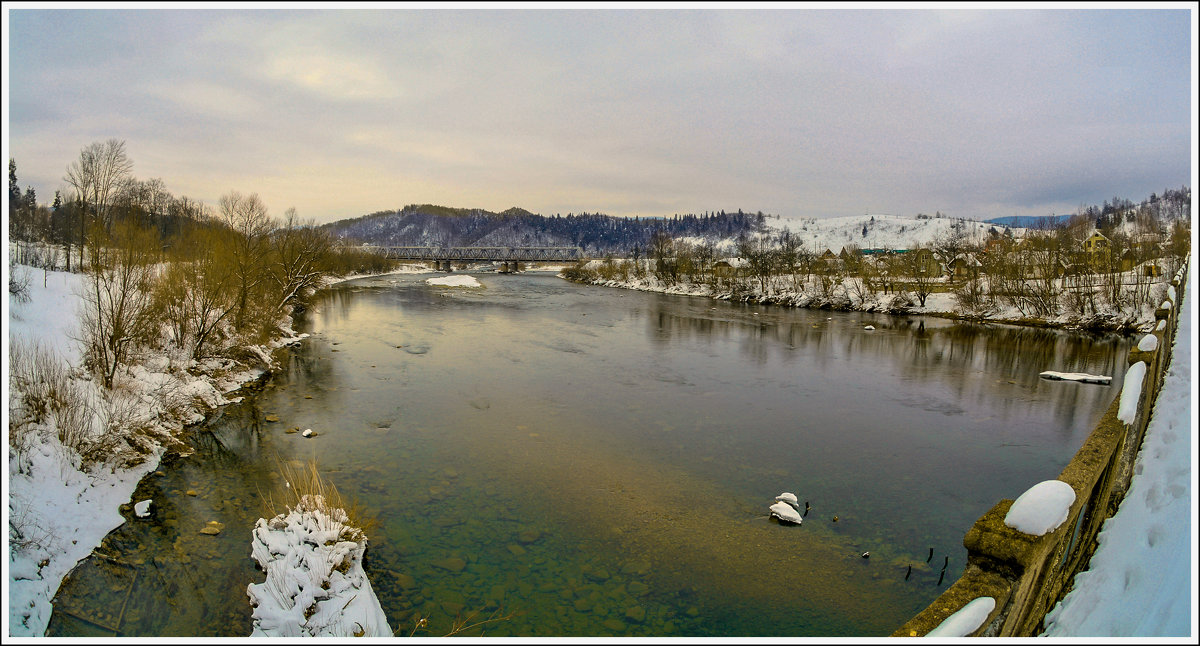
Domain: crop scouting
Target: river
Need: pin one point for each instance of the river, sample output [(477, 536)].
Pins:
[(593, 461)]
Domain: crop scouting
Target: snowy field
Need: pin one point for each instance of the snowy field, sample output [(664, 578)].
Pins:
[(881, 231)]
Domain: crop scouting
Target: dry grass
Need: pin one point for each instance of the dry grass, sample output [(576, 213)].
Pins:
[(305, 488), (48, 395)]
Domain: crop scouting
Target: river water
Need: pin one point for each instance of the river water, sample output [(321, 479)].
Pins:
[(590, 461)]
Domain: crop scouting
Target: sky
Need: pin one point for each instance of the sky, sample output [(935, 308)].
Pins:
[(646, 110)]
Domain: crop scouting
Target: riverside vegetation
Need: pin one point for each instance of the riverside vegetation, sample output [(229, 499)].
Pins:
[(1069, 275)]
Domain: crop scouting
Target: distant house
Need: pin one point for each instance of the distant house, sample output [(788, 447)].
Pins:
[(726, 267), (1128, 260), (964, 266), (1097, 243), (922, 262), (829, 261)]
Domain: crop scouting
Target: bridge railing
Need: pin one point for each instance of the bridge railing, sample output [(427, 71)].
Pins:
[(524, 254), (1026, 575)]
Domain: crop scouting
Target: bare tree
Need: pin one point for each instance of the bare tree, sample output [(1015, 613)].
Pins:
[(298, 252), (247, 216), (116, 315), (98, 175)]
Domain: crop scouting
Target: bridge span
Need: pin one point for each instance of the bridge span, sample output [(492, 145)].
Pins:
[(508, 256)]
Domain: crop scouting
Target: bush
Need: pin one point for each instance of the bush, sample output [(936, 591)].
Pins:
[(579, 273), (48, 395)]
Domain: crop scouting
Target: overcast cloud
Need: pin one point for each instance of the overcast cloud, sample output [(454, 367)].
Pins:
[(796, 112)]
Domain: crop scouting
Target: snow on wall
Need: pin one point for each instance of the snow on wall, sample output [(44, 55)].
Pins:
[(1042, 508), (1149, 343), (1131, 392), (965, 621)]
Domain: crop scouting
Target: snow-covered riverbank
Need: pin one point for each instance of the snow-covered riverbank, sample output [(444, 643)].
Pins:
[(852, 295), (59, 510)]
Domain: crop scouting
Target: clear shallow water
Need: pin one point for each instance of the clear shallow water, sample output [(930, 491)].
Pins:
[(600, 461)]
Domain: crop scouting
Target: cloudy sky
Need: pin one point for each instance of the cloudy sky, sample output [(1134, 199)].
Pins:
[(796, 112)]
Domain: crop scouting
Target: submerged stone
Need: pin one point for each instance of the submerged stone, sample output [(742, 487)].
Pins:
[(615, 625), (452, 564), (529, 536)]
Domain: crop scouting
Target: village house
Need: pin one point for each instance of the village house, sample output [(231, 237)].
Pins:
[(964, 266)]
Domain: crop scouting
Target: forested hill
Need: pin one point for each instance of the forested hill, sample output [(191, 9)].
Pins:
[(595, 233)]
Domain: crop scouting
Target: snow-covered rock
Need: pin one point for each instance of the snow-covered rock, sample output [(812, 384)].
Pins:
[(786, 513), (142, 509), (315, 583)]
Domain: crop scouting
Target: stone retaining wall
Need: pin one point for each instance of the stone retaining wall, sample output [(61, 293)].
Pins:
[(1027, 575)]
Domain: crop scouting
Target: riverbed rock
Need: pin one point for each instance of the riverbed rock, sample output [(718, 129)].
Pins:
[(271, 417), (405, 581), (599, 575), (637, 588), (636, 614), (516, 550), (294, 429), (528, 536), (615, 625), (191, 492), (452, 564), (639, 568)]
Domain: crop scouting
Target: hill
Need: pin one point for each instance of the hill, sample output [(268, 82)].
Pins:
[(596, 233), (1031, 221), (882, 231)]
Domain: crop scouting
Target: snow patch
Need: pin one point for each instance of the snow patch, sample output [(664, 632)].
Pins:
[(965, 621), (1075, 376), (454, 281), (1042, 508)]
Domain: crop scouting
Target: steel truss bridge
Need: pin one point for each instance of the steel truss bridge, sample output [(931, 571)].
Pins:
[(507, 255)]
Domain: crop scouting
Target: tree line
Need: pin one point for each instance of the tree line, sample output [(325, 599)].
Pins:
[(167, 270), (1104, 276)]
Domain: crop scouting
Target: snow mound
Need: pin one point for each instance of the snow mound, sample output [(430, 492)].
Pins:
[(1042, 508), (1149, 343), (967, 620), (786, 513), (454, 281), (315, 585), (1131, 392), (142, 509)]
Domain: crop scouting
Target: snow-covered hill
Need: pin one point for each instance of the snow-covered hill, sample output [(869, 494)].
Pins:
[(881, 231)]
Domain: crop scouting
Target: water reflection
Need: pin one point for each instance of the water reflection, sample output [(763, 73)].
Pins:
[(601, 460)]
